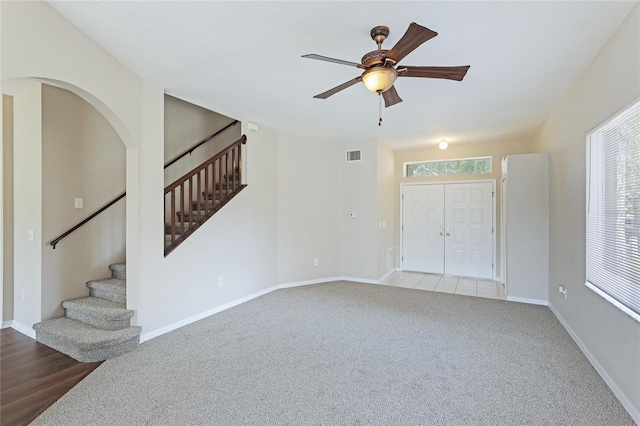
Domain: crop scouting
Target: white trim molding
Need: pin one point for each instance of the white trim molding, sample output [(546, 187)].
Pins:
[(388, 274), (529, 301), (27, 331), (7, 324), (178, 324), (626, 403)]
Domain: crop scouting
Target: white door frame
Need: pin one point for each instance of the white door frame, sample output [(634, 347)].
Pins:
[(493, 196)]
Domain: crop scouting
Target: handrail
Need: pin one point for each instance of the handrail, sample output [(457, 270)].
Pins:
[(119, 197), (190, 150), (174, 185), (218, 177), (100, 210)]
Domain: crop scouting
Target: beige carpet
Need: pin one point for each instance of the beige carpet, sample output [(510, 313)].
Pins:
[(347, 353)]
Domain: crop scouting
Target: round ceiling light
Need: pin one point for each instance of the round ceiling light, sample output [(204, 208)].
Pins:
[(379, 79), (443, 145)]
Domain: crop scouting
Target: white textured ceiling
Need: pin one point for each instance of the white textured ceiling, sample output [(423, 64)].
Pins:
[(242, 59)]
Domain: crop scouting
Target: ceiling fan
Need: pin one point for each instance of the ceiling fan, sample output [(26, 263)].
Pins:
[(381, 65)]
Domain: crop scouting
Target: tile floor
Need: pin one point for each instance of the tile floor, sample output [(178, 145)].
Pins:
[(447, 284)]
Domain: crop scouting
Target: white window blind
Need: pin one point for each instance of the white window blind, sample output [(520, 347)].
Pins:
[(613, 210)]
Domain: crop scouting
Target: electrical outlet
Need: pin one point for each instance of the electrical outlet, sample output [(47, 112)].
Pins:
[(220, 281), (315, 262), (562, 290)]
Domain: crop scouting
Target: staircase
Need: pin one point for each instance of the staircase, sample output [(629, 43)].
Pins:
[(97, 327), (198, 195)]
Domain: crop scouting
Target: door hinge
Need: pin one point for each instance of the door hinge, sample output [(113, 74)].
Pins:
[(402, 228), (492, 230), (493, 195), (402, 258), (492, 266)]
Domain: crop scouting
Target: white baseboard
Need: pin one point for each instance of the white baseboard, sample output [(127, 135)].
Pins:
[(626, 403), (529, 301), (27, 331), (309, 282), (327, 280), (359, 280), (174, 326), (7, 324), (387, 275)]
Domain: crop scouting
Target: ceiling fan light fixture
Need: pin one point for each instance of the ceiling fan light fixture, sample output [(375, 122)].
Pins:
[(379, 79)]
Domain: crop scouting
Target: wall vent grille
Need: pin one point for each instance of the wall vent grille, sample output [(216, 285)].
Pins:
[(355, 155)]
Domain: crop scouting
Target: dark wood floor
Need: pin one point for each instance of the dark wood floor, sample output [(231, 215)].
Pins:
[(33, 376)]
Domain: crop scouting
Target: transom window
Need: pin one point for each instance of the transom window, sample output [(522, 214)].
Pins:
[(613, 210), (460, 166)]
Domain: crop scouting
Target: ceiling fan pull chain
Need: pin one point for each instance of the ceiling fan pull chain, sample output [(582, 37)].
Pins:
[(380, 109)]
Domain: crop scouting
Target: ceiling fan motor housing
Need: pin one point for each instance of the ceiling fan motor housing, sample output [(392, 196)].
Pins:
[(375, 57), (379, 33)]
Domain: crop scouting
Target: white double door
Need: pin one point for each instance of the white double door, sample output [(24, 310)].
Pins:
[(448, 229)]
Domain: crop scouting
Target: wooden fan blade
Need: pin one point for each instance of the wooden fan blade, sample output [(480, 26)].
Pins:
[(414, 37), (336, 89), (450, 73), (391, 97), (335, 61)]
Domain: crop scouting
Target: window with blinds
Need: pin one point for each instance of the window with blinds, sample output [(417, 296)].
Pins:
[(613, 210)]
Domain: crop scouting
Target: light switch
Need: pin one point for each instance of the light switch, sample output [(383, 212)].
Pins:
[(32, 235), (78, 203)]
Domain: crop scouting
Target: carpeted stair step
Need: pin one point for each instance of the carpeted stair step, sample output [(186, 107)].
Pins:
[(98, 312), (85, 342), (209, 204), (191, 217), (178, 225), (223, 185), (217, 193), (119, 271), (111, 289)]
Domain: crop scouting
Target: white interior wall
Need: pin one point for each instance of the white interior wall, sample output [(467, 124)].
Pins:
[(185, 125), (82, 157), (359, 196), (387, 196), (610, 83), (7, 208), (309, 206), (238, 244), (27, 136)]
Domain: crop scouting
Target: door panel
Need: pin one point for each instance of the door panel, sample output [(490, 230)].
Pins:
[(468, 213), (422, 224)]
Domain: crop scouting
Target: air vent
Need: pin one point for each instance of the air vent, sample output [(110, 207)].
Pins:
[(354, 155)]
